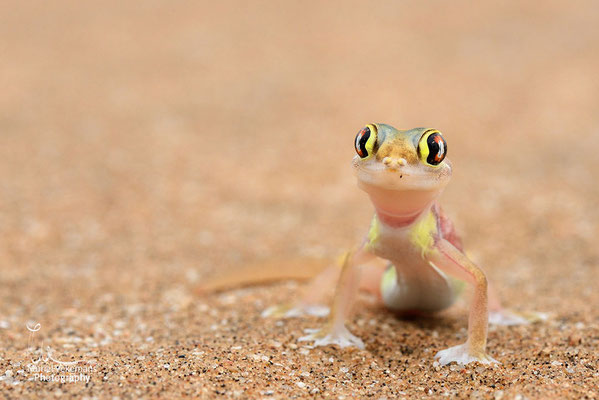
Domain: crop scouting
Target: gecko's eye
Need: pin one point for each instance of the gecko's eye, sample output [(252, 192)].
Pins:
[(432, 148), (365, 141)]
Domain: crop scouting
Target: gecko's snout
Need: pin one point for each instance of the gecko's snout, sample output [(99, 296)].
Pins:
[(394, 163)]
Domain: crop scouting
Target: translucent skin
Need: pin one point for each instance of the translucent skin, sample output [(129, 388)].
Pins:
[(410, 230), (399, 207)]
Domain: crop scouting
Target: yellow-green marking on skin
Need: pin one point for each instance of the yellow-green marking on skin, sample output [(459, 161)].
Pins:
[(374, 232), (422, 233)]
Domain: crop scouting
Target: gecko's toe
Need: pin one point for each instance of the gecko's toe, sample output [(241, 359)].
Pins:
[(294, 310), (508, 317), (317, 311), (462, 355), (281, 311), (339, 336)]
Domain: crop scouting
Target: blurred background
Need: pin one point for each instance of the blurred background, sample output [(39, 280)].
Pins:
[(145, 145)]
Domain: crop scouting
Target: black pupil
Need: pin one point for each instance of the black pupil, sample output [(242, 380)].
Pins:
[(436, 154), (362, 143)]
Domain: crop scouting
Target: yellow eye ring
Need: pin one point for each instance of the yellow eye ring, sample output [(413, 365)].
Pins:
[(432, 148), (365, 141)]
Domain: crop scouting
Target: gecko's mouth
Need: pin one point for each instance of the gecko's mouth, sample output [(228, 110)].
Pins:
[(403, 178)]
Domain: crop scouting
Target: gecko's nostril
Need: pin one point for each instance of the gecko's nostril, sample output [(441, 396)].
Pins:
[(394, 163)]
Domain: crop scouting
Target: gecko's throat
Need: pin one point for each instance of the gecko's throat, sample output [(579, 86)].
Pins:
[(399, 207)]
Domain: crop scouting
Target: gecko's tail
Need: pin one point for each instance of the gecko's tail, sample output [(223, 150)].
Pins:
[(262, 273)]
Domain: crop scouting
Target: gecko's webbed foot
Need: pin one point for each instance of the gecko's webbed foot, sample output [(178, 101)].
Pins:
[(340, 336), (508, 317), (461, 354), (292, 310)]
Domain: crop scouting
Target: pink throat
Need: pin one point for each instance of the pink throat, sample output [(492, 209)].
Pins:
[(398, 221)]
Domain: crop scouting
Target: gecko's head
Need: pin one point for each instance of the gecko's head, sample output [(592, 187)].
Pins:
[(402, 171)]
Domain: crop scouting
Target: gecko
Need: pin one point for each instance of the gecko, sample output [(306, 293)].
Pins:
[(411, 256)]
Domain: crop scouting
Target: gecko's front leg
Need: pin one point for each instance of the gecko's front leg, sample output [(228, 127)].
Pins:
[(335, 331), (449, 259)]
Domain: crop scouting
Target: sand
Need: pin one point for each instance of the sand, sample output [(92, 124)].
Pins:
[(145, 148)]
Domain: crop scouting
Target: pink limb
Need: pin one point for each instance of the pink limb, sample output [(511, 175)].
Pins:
[(335, 332), (451, 260)]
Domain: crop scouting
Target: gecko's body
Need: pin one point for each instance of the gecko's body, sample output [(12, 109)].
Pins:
[(404, 172), (410, 282)]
